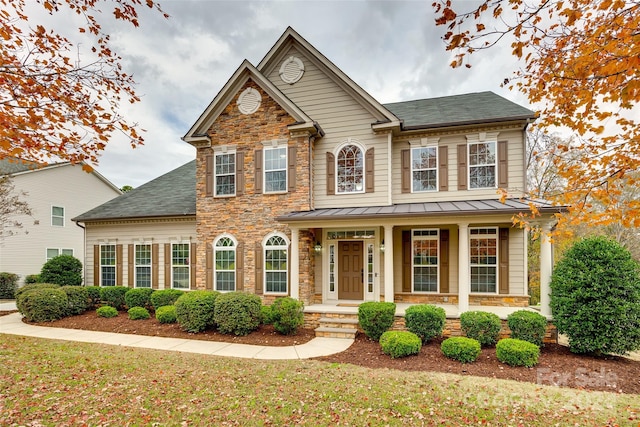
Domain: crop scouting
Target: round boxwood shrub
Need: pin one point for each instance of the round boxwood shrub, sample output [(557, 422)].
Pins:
[(8, 285), (266, 315), (63, 270), (32, 286), (515, 352), (400, 343), (527, 326), (595, 297), (287, 315), (114, 296), (481, 326), (376, 318), (43, 305), (165, 297), (138, 313), (237, 313), (138, 297), (166, 314), (94, 295), (425, 320), (78, 299), (462, 349), (32, 278), (195, 309), (106, 311)]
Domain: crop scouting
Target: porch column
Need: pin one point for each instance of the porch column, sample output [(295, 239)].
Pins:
[(546, 267), (295, 263), (463, 267), (388, 263)]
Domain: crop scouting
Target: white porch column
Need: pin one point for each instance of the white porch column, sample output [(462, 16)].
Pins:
[(388, 263), (295, 263), (463, 267), (546, 267)]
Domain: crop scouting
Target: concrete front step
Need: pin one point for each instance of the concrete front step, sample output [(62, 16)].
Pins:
[(328, 332), (334, 322)]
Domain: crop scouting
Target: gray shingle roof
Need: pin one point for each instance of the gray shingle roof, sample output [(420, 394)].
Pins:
[(469, 108), (11, 166), (172, 194)]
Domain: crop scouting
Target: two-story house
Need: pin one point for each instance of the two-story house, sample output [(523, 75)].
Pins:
[(305, 185)]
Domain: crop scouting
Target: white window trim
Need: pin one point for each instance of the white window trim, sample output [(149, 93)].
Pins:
[(494, 164), (435, 190), (497, 264), (182, 242), (58, 216), (115, 265), (221, 151), (59, 252), (135, 265), (363, 151), (264, 260), (235, 271), (286, 168), (437, 239)]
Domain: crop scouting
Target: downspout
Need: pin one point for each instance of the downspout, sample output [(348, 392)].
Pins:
[(84, 252)]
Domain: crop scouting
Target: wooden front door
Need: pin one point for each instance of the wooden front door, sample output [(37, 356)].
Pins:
[(351, 271)]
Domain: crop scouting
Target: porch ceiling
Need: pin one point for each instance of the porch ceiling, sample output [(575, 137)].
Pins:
[(425, 209)]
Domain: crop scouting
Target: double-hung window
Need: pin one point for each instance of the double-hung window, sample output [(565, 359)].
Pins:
[(225, 174), (180, 269), (57, 216), (424, 169), (350, 170), (275, 170), (54, 252), (482, 164), (275, 265), (483, 249), (143, 266), (107, 265), (225, 264), (425, 246)]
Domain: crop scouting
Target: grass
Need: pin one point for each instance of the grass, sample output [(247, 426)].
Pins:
[(58, 383)]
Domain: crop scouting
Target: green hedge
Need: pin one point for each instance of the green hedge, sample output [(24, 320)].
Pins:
[(237, 313), (32, 278), (426, 321), (78, 298), (481, 326), (32, 286), (114, 296), (266, 315), (43, 305), (376, 318), (8, 285), (517, 352), (462, 349), (63, 270), (138, 313), (528, 326), (165, 297), (94, 296), (195, 310), (166, 314), (138, 297), (287, 315), (107, 311), (400, 343)]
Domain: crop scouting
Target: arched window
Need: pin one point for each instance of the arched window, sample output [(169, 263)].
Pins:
[(350, 170), (276, 265), (224, 274)]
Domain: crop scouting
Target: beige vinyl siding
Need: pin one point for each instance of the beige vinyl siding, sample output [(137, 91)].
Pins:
[(515, 171), (341, 117), (159, 232), (517, 274), (65, 186)]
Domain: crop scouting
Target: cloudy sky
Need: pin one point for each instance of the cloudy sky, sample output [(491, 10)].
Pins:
[(392, 49)]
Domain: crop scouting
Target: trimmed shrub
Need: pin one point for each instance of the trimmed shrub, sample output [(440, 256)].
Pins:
[(462, 349), (528, 326), (138, 297), (43, 305), (107, 311), (595, 298), (138, 313), (376, 318), (266, 315), (8, 285), (166, 314), (237, 313), (195, 309), (287, 315), (63, 270), (165, 297), (481, 326), (78, 298), (400, 343), (33, 286), (94, 295), (515, 352), (114, 296), (32, 278), (425, 320)]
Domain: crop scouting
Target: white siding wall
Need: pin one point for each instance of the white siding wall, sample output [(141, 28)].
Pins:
[(65, 186)]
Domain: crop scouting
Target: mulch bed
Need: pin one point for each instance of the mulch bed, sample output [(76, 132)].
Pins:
[(557, 365)]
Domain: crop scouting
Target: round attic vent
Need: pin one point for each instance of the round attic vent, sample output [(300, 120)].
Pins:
[(249, 101), (291, 70)]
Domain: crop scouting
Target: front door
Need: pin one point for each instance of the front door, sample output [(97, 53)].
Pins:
[(351, 271)]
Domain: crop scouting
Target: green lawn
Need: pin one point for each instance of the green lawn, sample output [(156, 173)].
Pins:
[(57, 383)]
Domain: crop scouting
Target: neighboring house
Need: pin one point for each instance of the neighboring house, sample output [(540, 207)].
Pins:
[(55, 193), (307, 186)]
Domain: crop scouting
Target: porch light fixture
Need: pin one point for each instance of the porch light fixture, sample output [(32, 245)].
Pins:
[(318, 248), (382, 247)]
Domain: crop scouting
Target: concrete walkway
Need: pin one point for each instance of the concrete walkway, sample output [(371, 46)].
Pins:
[(12, 324)]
